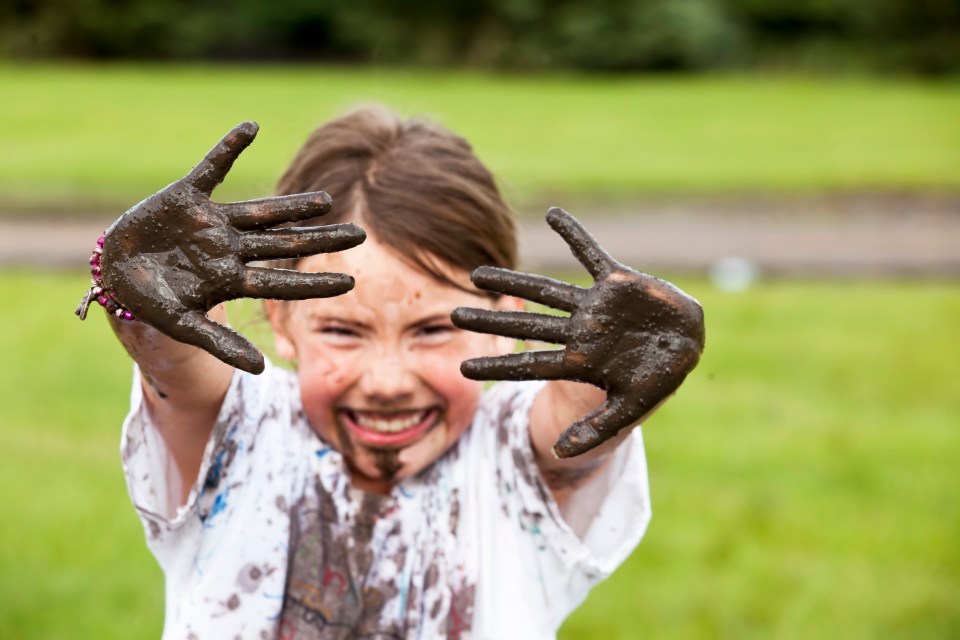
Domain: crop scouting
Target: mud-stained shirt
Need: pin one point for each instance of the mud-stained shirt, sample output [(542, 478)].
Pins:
[(273, 542)]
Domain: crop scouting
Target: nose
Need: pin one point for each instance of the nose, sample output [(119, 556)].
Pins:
[(389, 377)]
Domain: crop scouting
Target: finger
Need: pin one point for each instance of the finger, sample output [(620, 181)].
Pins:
[(536, 288), (529, 365), (221, 341), (284, 284), (297, 242), (594, 429), (216, 164), (583, 245), (269, 212), (512, 324)]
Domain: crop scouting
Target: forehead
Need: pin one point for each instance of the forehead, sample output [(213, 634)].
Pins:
[(385, 282)]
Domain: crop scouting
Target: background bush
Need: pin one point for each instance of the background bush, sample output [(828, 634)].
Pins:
[(919, 36)]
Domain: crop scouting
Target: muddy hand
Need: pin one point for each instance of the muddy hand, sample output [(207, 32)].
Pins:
[(631, 334), (177, 254)]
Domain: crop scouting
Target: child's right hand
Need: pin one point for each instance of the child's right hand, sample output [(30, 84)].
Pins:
[(177, 254)]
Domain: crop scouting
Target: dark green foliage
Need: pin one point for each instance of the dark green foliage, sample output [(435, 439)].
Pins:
[(915, 35)]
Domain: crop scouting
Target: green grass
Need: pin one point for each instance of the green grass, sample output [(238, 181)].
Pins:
[(804, 478), (91, 137)]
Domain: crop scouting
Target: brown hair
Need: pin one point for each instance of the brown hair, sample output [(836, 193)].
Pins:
[(416, 186)]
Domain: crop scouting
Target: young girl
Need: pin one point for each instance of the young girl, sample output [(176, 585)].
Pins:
[(377, 491)]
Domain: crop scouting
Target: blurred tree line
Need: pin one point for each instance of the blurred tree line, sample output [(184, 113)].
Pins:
[(921, 36)]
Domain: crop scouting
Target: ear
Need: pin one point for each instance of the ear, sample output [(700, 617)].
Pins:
[(278, 312), (507, 303)]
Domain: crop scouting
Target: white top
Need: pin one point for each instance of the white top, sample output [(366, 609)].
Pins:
[(274, 542)]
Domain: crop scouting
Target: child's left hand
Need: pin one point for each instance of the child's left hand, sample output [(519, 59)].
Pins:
[(631, 334)]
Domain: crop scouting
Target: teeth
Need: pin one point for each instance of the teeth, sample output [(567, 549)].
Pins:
[(388, 424)]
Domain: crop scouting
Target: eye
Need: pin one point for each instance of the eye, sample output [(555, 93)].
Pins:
[(436, 333), (339, 331), (435, 329), (338, 334)]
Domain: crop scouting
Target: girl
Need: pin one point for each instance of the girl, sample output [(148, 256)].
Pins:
[(378, 491)]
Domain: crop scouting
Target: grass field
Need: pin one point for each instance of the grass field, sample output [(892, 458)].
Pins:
[(804, 478), (96, 137)]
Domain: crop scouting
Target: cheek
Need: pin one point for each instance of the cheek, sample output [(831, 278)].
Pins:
[(323, 379), (440, 370), (321, 371), (460, 398)]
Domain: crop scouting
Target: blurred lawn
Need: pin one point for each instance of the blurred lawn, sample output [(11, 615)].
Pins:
[(804, 478), (94, 137)]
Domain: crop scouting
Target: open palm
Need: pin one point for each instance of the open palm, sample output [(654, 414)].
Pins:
[(177, 254), (631, 334)]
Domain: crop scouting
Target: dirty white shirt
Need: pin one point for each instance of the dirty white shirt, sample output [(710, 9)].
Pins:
[(273, 541)]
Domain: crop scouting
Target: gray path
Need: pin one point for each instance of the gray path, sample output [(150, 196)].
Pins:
[(854, 235)]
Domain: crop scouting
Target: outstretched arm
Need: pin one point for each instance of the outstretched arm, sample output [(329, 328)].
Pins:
[(171, 260), (632, 336)]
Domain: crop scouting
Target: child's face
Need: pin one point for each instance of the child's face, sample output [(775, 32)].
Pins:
[(379, 367)]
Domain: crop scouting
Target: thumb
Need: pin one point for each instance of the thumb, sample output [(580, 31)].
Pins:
[(219, 340)]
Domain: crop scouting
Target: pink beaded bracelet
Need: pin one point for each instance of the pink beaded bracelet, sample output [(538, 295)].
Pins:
[(106, 299)]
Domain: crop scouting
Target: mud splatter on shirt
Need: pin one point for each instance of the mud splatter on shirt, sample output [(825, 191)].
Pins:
[(274, 542)]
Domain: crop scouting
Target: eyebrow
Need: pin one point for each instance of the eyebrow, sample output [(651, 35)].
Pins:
[(317, 317), (437, 317), (444, 317)]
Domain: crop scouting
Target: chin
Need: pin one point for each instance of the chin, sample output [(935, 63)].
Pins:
[(391, 465)]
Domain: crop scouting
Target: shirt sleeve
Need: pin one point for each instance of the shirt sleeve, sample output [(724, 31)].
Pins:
[(254, 408), (605, 518), (152, 480), (227, 543)]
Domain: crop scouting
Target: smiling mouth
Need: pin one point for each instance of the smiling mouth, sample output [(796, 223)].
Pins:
[(389, 429)]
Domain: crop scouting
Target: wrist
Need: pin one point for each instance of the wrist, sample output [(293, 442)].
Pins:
[(98, 290)]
